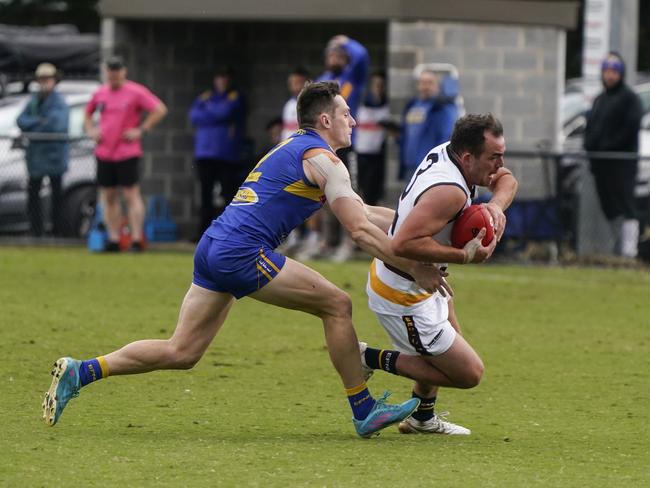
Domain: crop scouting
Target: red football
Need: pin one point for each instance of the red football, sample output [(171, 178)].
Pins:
[(469, 224)]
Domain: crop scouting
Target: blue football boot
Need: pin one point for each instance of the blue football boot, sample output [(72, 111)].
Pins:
[(382, 415), (65, 386)]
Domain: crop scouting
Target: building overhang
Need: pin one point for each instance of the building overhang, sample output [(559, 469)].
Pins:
[(557, 13)]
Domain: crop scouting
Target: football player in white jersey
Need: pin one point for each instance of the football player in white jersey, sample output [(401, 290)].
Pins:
[(423, 327)]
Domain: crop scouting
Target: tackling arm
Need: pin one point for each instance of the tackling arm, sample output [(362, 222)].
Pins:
[(328, 172), (382, 217)]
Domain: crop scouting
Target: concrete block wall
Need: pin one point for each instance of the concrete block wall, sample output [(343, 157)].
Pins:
[(176, 60), (515, 72)]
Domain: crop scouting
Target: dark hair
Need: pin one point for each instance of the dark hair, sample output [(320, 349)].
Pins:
[(300, 71), (272, 122), (314, 99), (380, 73), (469, 133), (225, 71)]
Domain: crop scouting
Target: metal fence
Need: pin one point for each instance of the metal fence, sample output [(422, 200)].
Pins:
[(557, 203), (71, 215)]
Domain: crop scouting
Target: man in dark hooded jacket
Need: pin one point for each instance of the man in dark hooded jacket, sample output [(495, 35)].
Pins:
[(613, 126)]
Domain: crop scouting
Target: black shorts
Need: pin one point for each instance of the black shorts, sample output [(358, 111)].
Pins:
[(117, 173)]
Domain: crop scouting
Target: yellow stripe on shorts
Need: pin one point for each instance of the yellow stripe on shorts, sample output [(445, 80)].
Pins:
[(259, 268), (269, 262), (391, 294)]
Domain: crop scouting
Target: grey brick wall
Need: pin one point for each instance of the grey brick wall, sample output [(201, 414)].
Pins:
[(177, 60), (512, 71)]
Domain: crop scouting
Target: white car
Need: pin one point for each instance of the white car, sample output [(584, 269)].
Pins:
[(79, 182)]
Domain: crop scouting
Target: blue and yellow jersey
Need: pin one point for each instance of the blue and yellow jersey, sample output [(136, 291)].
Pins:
[(275, 198)]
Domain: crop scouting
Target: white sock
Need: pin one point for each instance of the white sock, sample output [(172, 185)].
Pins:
[(629, 238)]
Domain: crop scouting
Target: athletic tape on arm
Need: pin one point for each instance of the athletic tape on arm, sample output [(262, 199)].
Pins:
[(337, 178)]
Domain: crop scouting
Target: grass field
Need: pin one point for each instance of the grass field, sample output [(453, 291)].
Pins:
[(564, 401)]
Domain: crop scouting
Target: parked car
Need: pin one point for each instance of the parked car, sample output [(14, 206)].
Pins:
[(79, 182)]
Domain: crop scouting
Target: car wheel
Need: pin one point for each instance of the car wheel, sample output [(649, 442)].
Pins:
[(78, 211)]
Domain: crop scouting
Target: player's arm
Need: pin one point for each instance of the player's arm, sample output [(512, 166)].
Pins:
[(328, 172), (503, 186), (382, 217), (434, 209)]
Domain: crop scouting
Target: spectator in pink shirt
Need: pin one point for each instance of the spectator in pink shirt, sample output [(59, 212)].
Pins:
[(121, 104)]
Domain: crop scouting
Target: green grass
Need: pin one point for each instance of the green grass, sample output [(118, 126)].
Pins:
[(564, 401)]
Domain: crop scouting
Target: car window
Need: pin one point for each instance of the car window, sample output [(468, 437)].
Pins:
[(572, 105), (8, 116), (576, 126), (645, 99), (76, 123)]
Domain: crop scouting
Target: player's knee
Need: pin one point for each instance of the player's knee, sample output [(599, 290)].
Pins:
[(183, 357), (473, 374), (340, 305)]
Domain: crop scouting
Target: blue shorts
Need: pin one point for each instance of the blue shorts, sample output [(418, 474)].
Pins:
[(231, 268)]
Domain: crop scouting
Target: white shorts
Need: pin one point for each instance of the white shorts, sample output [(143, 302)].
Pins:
[(421, 330), (418, 334)]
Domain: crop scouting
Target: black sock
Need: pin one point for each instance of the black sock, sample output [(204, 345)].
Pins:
[(385, 359), (425, 410)]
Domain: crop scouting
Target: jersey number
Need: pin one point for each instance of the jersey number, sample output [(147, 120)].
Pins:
[(432, 158), (253, 176)]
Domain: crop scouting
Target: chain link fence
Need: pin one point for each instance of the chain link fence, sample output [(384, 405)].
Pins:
[(557, 203)]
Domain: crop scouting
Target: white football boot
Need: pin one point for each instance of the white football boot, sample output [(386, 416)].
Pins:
[(435, 425), (367, 371)]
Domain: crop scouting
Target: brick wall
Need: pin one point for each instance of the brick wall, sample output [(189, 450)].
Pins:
[(177, 60), (515, 72)]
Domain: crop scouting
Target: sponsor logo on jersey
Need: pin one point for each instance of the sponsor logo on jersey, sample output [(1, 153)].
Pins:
[(245, 196)]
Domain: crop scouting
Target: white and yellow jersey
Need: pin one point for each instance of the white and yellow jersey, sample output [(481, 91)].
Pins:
[(390, 290)]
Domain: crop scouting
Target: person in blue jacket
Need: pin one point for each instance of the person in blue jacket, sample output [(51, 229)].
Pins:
[(347, 62), (45, 119), (428, 122), (218, 115)]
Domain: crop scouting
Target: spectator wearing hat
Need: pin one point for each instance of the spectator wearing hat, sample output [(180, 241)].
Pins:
[(218, 116), (613, 126), (122, 105), (45, 122)]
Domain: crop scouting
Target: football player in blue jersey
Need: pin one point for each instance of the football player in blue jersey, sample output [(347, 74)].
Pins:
[(236, 257)]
